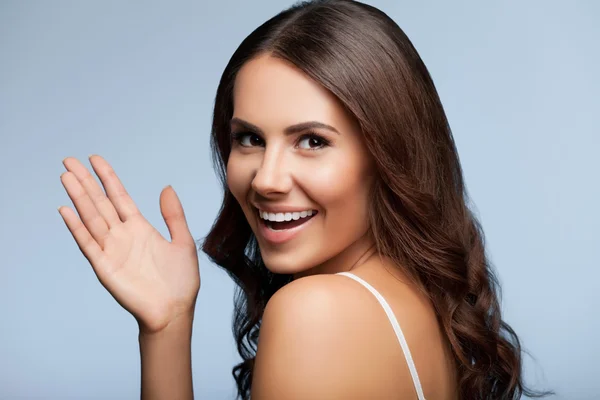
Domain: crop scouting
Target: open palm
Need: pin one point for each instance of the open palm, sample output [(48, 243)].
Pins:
[(154, 279)]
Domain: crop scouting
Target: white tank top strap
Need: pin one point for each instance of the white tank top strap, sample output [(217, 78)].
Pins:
[(397, 329)]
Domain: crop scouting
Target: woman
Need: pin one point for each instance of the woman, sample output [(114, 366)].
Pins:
[(335, 156)]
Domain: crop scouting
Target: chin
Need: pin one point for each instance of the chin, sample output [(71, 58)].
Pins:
[(284, 264), (290, 264)]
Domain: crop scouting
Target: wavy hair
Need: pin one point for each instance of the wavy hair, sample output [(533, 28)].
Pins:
[(419, 215)]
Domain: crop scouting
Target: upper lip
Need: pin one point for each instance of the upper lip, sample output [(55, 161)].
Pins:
[(281, 208)]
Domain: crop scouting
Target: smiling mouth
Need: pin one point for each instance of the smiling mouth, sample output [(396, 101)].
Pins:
[(284, 225)]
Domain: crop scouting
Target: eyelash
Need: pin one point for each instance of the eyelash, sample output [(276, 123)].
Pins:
[(239, 136)]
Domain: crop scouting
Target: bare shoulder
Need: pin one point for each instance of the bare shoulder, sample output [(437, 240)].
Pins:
[(321, 338)]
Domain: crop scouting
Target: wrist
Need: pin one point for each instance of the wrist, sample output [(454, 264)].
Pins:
[(180, 325)]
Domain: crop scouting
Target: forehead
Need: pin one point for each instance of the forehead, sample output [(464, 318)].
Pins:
[(273, 94)]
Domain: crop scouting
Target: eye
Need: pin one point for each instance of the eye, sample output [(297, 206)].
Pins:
[(312, 141), (247, 139)]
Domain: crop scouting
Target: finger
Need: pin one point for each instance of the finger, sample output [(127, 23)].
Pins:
[(88, 246), (172, 212), (115, 190), (94, 191), (94, 222)]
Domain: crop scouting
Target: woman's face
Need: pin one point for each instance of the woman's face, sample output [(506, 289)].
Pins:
[(311, 182)]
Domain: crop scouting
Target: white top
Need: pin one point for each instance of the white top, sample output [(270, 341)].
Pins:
[(397, 329)]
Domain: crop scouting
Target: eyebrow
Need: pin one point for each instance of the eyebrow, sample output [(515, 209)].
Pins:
[(296, 128)]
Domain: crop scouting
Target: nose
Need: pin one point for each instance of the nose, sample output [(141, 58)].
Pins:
[(272, 178)]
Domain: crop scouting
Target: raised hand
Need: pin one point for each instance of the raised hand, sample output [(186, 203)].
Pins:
[(155, 280)]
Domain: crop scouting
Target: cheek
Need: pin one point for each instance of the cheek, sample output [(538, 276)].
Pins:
[(342, 189), (238, 178)]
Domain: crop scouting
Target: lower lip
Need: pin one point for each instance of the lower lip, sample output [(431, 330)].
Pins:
[(283, 235)]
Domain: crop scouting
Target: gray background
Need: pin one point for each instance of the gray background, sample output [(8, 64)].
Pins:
[(135, 83)]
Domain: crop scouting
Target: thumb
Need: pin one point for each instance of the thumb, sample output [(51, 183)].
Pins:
[(172, 212)]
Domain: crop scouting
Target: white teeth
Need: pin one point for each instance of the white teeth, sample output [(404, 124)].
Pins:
[(288, 216)]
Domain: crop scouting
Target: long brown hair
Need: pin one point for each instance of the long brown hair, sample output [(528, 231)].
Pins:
[(419, 215)]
